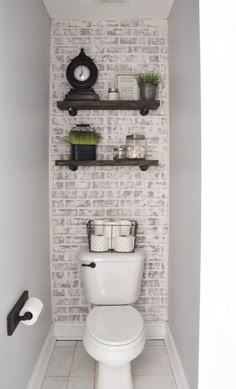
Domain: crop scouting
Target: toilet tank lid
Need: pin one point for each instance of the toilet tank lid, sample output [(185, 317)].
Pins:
[(86, 256)]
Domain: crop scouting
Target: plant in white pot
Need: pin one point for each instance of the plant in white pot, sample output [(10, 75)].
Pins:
[(148, 83), (83, 140)]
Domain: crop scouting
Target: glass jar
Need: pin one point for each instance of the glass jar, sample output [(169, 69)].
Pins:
[(113, 94), (136, 146), (119, 152)]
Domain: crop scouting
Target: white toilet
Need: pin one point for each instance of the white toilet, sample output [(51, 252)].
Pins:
[(114, 331)]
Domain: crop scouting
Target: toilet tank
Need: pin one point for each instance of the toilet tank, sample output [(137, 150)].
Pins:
[(116, 278)]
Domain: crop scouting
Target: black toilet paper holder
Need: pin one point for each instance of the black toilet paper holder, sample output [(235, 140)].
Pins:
[(27, 316), (14, 318)]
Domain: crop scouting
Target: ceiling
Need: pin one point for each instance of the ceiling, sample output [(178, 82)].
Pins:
[(78, 9)]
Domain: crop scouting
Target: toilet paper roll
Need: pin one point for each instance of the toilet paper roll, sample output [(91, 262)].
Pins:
[(124, 244), (34, 306), (111, 230), (107, 228), (98, 227), (115, 228), (125, 226), (99, 243)]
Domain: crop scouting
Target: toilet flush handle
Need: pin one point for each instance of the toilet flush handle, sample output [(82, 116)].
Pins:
[(92, 265)]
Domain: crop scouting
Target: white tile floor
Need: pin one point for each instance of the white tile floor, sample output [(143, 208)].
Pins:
[(70, 367)]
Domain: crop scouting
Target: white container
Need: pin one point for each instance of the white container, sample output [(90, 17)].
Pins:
[(119, 152), (115, 280), (136, 146)]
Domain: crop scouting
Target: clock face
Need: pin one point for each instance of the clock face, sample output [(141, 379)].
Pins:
[(81, 73)]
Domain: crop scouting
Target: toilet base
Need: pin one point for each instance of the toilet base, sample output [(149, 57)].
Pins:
[(118, 377)]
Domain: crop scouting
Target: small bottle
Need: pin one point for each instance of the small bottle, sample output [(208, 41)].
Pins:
[(113, 94), (135, 146), (119, 152)]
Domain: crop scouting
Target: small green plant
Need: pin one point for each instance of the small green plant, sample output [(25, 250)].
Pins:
[(76, 137), (148, 78)]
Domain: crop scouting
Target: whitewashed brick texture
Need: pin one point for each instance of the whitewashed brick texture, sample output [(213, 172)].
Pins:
[(134, 45)]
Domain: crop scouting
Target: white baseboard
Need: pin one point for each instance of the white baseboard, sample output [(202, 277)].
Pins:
[(155, 330), (67, 331), (37, 376), (175, 361)]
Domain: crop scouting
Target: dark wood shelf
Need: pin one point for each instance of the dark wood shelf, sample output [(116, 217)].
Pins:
[(141, 105), (142, 163)]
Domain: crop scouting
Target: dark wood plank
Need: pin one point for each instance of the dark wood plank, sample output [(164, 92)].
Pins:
[(121, 162), (109, 105)]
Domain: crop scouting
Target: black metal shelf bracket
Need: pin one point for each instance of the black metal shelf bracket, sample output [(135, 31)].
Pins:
[(73, 168), (143, 168), (72, 111), (144, 111)]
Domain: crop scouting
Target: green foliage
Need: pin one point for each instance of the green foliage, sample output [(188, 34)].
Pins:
[(76, 137), (148, 78)]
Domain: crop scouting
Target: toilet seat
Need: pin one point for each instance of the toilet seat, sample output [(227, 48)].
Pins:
[(114, 325)]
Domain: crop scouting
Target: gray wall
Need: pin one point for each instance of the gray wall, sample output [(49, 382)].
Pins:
[(185, 154), (24, 69)]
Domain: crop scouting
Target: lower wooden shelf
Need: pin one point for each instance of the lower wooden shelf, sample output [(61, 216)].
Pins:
[(142, 163)]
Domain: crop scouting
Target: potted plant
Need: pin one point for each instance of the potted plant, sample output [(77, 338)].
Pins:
[(147, 83), (83, 140)]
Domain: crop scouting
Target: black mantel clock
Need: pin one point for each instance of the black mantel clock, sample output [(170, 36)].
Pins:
[(82, 74)]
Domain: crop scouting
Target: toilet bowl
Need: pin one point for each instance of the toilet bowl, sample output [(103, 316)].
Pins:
[(114, 336), (114, 331)]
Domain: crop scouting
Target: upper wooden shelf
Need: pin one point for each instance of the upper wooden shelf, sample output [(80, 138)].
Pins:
[(138, 105)]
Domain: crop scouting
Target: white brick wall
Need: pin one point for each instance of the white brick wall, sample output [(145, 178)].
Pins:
[(116, 45)]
